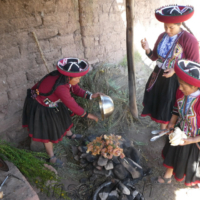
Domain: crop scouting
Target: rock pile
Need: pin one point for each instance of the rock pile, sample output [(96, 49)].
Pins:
[(125, 172)]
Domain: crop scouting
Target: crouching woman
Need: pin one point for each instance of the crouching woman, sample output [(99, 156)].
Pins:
[(46, 108)]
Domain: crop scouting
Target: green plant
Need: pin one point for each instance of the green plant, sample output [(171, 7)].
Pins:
[(31, 165)]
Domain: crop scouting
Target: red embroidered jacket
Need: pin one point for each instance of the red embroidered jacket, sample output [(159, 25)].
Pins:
[(186, 47), (189, 122), (62, 92)]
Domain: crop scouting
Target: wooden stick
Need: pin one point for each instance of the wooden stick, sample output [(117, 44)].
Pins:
[(130, 57), (41, 52)]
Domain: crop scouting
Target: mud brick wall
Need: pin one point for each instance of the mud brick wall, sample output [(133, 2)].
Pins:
[(90, 29), (56, 24)]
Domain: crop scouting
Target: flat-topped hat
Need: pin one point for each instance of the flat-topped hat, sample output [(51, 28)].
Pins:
[(73, 67), (188, 71), (174, 13)]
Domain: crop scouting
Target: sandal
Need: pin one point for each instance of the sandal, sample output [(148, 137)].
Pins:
[(155, 181), (58, 163), (77, 136)]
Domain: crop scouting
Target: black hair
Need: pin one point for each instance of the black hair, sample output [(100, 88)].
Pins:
[(61, 80), (185, 26)]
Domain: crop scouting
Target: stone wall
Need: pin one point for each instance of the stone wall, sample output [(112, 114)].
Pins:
[(90, 29)]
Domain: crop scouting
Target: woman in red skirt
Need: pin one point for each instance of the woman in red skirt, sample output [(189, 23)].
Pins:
[(49, 105), (173, 44)]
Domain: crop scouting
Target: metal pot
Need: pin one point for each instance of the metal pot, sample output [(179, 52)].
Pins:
[(106, 106)]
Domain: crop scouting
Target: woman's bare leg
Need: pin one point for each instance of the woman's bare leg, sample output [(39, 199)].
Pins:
[(168, 174), (69, 133), (49, 150)]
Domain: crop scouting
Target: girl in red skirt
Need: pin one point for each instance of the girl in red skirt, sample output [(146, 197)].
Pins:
[(183, 161)]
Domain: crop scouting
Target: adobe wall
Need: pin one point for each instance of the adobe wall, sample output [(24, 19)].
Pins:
[(90, 29)]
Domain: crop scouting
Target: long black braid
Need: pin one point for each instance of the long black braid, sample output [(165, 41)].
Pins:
[(62, 80), (187, 28)]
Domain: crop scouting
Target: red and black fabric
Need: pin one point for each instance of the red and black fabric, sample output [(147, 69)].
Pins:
[(49, 105), (159, 101), (184, 160), (174, 13), (73, 67), (45, 124), (188, 71)]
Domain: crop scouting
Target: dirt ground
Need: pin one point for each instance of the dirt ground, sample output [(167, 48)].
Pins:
[(150, 154)]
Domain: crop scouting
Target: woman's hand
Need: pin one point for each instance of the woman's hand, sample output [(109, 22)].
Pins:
[(145, 45), (170, 127), (190, 140), (187, 141), (168, 73), (95, 95), (93, 117)]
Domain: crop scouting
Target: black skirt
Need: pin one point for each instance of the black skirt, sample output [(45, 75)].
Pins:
[(159, 101), (185, 162), (45, 124)]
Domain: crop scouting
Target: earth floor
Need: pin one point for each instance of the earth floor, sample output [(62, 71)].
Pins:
[(150, 156)]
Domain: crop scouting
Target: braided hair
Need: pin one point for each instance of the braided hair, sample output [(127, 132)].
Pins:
[(61, 80)]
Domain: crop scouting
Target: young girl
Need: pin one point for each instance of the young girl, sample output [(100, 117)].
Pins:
[(46, 108), (183, 160)]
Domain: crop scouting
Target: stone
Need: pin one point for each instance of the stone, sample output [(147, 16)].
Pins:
[(114, 193), (36, 146), (102, 161), (112, 198), (99, 167), (17, 189), (82, 149), (83, 161), (74, 150), (103, 195), (109, 165), (120, 172), (83, 155), (123, 188), (102, 172), (89, 139), (115, 160), (91, 158), (134, 193), (135, 170), (131, 152), (89, 167), (76, 158)]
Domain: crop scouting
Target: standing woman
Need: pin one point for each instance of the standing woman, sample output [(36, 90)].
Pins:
[(46, 108), (182, 161), (173, 44)]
